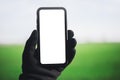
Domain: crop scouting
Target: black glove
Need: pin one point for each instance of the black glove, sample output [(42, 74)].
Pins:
[(32, 70)]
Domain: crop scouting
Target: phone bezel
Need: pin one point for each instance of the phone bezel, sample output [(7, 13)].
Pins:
[(38, 28)]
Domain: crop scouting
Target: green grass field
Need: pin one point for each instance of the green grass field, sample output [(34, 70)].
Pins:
[(93, 61)]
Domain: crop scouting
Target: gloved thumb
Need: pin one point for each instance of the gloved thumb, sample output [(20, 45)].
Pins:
[(31, 42), (29, 50)]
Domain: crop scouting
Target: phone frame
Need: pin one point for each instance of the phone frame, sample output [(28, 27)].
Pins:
[(38, 29)]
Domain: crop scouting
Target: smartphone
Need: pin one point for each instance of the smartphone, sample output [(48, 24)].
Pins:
[(52, 35)]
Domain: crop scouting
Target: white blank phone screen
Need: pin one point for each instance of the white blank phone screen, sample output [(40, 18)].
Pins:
[(52, 36)]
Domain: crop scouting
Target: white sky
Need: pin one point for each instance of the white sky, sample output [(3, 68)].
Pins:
[(91, 20)]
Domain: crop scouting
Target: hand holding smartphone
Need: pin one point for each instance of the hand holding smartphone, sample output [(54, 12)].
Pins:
[(56, 52), (52, 34)]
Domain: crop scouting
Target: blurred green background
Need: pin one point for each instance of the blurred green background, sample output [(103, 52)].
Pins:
[(93, 61)]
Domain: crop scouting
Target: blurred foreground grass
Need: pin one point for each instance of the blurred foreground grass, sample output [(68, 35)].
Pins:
[(94, 61)]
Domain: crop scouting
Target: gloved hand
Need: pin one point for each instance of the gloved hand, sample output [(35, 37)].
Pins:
[(32, 70)]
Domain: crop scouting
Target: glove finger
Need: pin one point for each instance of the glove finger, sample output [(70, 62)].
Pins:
[(72, 42), (70, 34), (71, 55)]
